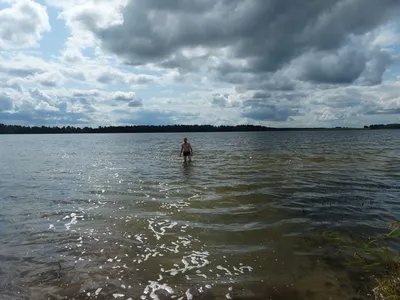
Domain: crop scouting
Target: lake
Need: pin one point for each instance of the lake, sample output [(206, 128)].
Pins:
[(118, 216)]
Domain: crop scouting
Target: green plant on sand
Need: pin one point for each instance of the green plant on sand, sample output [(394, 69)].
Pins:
[(376, 259)]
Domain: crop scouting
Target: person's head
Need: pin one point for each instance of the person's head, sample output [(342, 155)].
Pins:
[(185, 140)]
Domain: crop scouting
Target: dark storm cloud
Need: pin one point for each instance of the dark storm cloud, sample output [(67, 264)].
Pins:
[(343, 67), (262, 110), (259, 81), (266, 33), (265, 46), (261, 95), (375, 68), (124, 96), (269, 112), (131, 98), (135, 103), (220, 100)]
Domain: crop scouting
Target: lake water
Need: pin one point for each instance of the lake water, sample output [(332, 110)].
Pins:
[(119, 216)]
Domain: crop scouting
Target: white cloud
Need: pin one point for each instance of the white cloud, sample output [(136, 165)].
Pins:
[(101, 13), (45, 106), (23, 24)]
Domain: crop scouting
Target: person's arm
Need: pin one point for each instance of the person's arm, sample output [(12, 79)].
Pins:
[(191, 150), (180, 154)]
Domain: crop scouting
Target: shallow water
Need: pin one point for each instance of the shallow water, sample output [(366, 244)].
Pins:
[(119, 215)]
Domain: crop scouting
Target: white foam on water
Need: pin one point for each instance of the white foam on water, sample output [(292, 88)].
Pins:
[(219, 267), (194, 196), (138, 237), (153, 287), (246, 267), (97, 292), (74, 219), (162, 229), (118, 295), (72, 222), (178, 205), (189, 296), (198, 259), (185, 242)]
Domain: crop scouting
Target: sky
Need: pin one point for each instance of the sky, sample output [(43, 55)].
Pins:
[(280, 63)]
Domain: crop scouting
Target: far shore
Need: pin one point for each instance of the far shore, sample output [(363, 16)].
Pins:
[(18, 129)]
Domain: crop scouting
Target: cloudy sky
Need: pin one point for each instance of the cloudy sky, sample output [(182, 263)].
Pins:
[(269, 62)]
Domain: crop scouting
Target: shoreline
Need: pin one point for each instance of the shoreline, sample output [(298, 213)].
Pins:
[(19, 129)]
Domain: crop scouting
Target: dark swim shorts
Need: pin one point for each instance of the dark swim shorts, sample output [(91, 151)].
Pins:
[(186, 153)]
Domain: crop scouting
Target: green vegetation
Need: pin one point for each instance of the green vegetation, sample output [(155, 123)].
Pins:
[(382, 126), (18, 129), (376, 260)]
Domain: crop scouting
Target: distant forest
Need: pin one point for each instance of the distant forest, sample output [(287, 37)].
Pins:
[(18, 129)]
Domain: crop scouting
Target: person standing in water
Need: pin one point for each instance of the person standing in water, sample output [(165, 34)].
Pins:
[(186, 150)]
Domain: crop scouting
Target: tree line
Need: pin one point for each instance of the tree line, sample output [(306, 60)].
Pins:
[(383, 126), (19, 129)]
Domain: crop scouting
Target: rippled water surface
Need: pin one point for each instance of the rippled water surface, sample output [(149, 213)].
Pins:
[(119, 216)]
